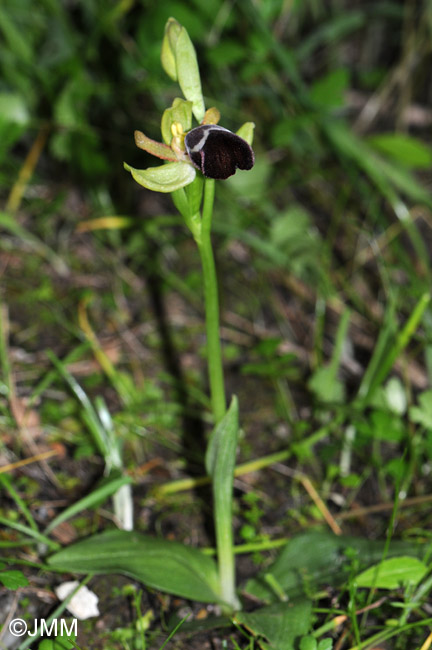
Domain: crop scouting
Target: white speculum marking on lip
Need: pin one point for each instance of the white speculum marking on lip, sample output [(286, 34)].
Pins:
[(207, 129), (199, 145), (218, 152)]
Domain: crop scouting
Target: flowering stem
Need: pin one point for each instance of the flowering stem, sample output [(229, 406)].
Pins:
[(214, 352), (222, 501)]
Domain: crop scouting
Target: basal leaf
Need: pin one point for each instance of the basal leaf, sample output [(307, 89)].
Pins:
[(403, 148), (161, 564), (393, 573), (13, 579), (320, 558), (422, 414), (329, 91), (281, 624), (220, 463)]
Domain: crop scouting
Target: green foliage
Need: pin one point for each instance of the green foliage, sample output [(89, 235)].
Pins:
[(329, 91), (310, 643), (157, 563), (220, 463), (280, 624), (334, 215), (12, 579), (58, 643), (404, 149), (393, 573), (324, 382), (422, 414), (315, 559)]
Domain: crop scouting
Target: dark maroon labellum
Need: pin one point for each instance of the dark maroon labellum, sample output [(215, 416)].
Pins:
[(217, 152)]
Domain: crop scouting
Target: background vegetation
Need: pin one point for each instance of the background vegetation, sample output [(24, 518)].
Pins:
[(324, 259)]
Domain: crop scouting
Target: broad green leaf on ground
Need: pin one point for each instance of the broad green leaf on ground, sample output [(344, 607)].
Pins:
[(422, 414), (157, 563), (320, 558), (403, 148), (329, 91), (280, 624), (310, 643), (13, 579), (58, 643), (13, 108), (327, 387), (393, 573), (386, 175), (384, 426)]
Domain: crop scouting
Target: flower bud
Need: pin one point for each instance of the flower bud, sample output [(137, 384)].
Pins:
[(168, 57), (180, 63)]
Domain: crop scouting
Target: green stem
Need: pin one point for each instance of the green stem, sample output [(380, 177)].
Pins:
[(214, 352), (222, 500), (225, 556)]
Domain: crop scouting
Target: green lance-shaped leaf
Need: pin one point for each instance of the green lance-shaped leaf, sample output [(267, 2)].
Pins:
[(221, 450), (166, 178), (220, 463), (169, 566), (393, 573)]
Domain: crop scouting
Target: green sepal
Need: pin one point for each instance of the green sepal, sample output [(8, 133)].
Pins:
[(180, 111), (166, 178), (246, 131)]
